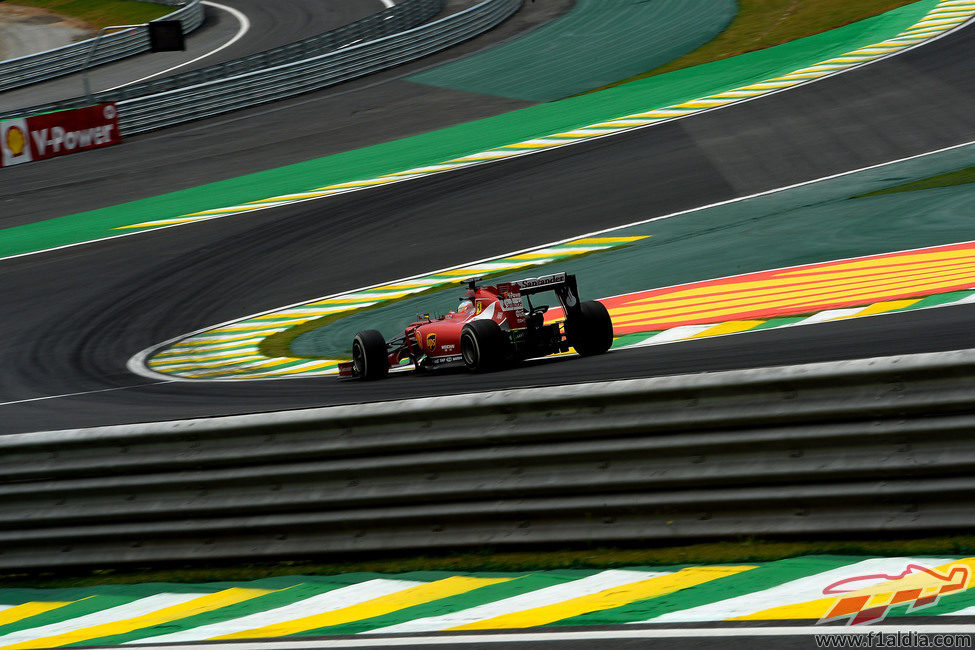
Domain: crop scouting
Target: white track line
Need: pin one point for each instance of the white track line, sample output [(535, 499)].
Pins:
[(245, 25), (86, 392), (594, 636)]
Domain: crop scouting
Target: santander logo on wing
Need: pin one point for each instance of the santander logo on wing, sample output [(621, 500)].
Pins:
[(867, 599)]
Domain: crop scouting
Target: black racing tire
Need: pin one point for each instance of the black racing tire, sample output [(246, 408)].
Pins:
[(482, 344), (369, 355), (591, 330)]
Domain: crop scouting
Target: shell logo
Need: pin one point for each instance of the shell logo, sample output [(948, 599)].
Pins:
[(16, 141)]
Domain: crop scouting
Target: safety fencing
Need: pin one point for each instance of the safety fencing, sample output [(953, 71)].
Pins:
[(876, 446), (69, 59), (224, 95), (147, 112), (400, 17)]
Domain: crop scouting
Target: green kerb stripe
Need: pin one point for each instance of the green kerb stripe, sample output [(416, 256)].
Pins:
[(286, 596), (491, 593), (758, 579), (82, 607)]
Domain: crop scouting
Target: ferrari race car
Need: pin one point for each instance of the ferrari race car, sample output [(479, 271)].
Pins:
[(493, 327)]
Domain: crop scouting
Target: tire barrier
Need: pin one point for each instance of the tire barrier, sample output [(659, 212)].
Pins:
[(69, 59), (865, 447)]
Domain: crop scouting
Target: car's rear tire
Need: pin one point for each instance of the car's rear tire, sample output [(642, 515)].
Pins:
[(591, 330), (482, 344), (369, 355)]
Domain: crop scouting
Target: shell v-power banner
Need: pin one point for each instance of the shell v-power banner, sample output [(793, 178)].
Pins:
[(55, 134)]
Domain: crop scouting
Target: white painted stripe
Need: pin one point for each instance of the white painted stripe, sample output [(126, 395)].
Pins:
[(328, 601), (674, 334), (243, 28), (222, 363), (592, 636), (167, 380), (829, 315), (210, 347), (538, 598), (112, 615), (792, 592), (312, 367)]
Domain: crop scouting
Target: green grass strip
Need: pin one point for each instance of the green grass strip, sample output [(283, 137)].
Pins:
[(103, 13), (960, 177), (468, 138), (761, 24), (747, 582)]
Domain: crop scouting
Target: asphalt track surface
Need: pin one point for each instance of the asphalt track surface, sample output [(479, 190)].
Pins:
[(271, 24), (72, 318), (778, 635)]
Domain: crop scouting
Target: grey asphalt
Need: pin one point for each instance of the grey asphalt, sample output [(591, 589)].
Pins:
[(72, 318), (367, 111)]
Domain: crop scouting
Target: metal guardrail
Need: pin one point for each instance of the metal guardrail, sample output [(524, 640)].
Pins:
[(69, 59), (400, 17), (856, 447), (224, 95)]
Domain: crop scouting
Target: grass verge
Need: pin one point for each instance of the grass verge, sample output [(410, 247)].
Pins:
[(960, 177), (730, 552), (761, 24), (102, 13)]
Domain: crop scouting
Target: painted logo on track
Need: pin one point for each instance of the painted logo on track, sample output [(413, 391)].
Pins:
[(869, 598)]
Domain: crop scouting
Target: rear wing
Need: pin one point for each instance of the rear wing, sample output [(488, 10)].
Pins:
[(563, 284)]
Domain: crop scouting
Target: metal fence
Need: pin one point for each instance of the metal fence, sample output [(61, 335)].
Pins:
[(223, 95), (405, 15), (69, 59), (874, 446)]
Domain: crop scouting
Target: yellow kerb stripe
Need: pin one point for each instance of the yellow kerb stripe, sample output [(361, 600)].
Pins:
[(376, 607), (200, 605), (606, 240), (26, 610), (607, 599), (730, 327), (883, 307)]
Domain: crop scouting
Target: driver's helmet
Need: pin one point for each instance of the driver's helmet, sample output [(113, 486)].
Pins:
[(465, 306)]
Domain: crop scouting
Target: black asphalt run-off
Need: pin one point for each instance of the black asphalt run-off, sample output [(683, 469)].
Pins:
[(72, 318)]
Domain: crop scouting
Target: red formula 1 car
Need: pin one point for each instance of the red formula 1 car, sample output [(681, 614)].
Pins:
[(493, 327)]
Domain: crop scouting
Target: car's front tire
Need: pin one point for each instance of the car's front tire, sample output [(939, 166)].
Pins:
[(482, 344), (369, 355), (591, 331)]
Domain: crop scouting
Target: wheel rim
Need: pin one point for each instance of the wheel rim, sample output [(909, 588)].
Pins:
[(468, 349), (358, 357)]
